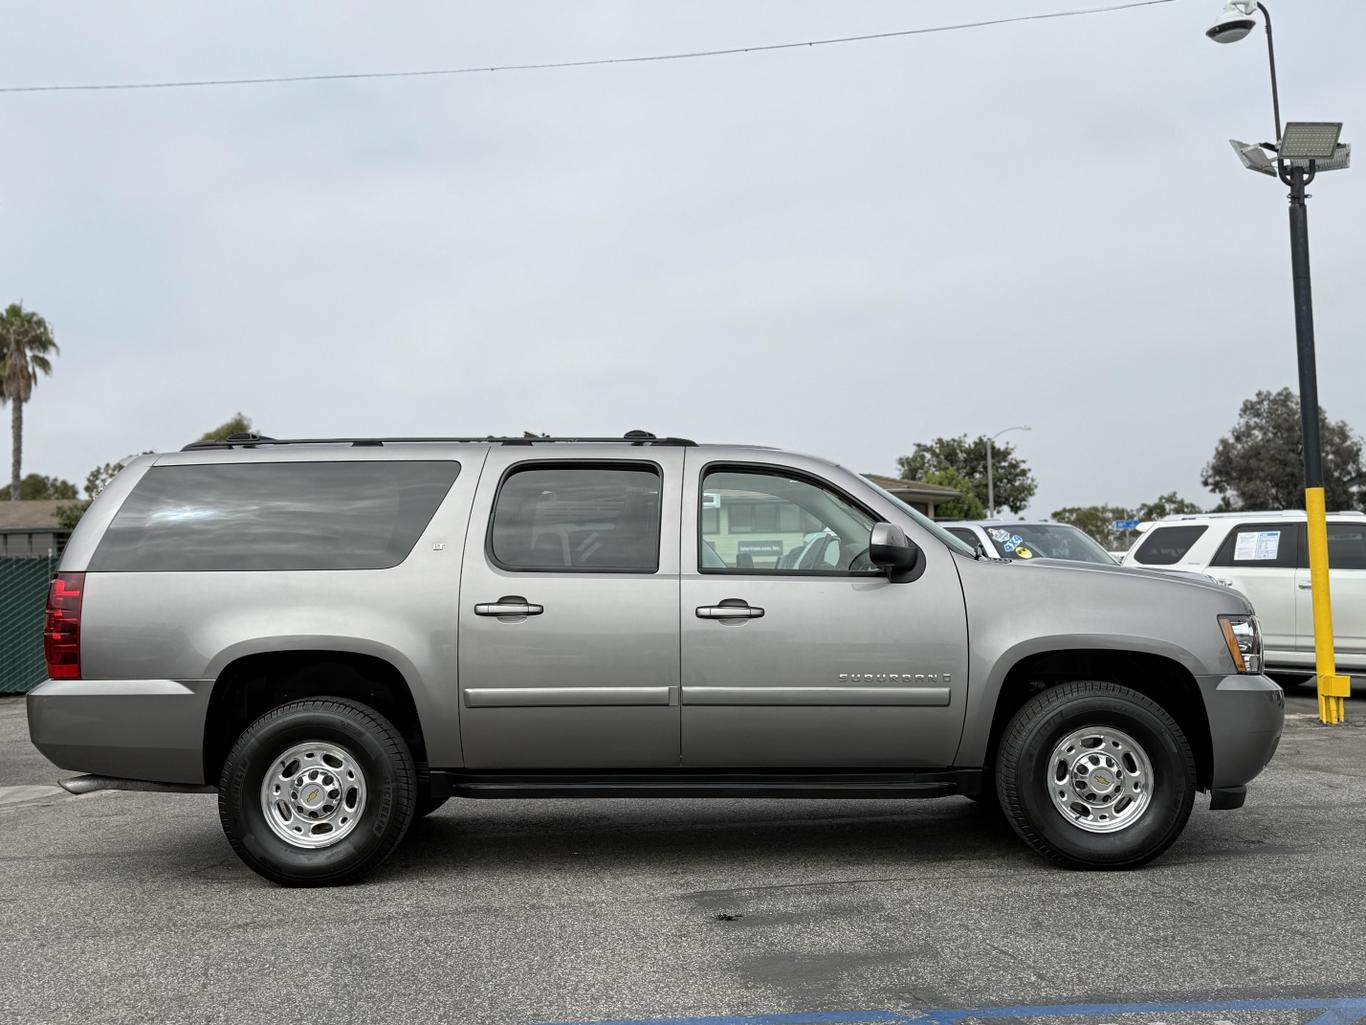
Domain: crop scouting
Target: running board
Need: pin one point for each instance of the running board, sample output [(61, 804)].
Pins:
[(852, 785), (89, 784)]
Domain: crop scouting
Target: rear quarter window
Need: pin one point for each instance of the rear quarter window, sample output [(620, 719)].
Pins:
[(1347, 545), (1166, 546), (274, 516)]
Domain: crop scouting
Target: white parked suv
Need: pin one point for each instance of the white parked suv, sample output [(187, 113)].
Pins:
[(1265, 555)]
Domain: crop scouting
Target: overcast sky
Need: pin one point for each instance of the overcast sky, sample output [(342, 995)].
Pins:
[(840, 250)]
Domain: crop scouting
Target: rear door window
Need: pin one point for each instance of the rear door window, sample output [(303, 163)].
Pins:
[(577, 518), (1166, 546), (1261, 546), (342, 514)]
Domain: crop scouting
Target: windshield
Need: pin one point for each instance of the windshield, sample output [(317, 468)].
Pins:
[(924, 521), (1046, 541)]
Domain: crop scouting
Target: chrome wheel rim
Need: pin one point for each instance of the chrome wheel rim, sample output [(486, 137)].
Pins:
[(1100, 779), (313, 794)]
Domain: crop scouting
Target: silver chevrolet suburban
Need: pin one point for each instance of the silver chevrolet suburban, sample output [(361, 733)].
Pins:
[(337, 635)]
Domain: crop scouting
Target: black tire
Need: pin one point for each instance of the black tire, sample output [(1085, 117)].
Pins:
[(426, 804), (390, 792), (1024, 775)]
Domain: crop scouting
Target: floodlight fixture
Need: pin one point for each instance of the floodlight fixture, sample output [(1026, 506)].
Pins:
[(1234, 23), (1339, 161), (1309, 140), (1300, 152), (1254, 158)]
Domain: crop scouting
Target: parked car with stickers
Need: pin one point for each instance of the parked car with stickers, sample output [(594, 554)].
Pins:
[(1265, 555), (1029, 539), (337, 636)]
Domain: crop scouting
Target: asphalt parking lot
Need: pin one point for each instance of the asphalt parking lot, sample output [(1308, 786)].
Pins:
[(125, 907)]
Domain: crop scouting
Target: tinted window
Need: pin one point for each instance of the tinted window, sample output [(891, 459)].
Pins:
[(965, 535), (769, 522), (1164, 546), (1261, 546), (554, 518), (1346, 546), (274, 516)]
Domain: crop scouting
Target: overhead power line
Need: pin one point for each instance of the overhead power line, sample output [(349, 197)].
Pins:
[(595, 62)]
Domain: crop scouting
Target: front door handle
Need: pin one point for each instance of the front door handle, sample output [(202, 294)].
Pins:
[(509, 605), (730, 608), (1305, 586)]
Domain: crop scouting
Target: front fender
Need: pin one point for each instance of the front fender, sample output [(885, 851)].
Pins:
[(988, 673)]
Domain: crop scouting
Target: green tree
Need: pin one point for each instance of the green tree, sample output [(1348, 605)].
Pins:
[(95, 481), (967, 507), (1170, 504), (239, 424), (25, 345), (1098, 521), (1013, 483), (37, 487), (98, 479), (1260, 463)]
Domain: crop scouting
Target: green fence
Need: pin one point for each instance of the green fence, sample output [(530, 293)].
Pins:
[(23, 597)]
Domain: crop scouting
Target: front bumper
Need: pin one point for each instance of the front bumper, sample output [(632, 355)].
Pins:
[(1246, 716), (134, 729)]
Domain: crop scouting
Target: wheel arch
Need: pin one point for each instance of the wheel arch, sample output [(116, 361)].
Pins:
[(1159, 677), (252, 684)]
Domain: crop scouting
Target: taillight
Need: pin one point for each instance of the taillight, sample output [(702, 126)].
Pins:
[(62, 627)]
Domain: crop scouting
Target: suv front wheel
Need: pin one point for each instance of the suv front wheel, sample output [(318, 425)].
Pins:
[(317, 792), (1095, 775)]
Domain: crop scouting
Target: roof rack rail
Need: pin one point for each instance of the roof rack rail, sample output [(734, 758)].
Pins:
[(1255, 514), (259, 441)]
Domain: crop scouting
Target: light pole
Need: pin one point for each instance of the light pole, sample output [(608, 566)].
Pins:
[(1300, 152), (991, 486)]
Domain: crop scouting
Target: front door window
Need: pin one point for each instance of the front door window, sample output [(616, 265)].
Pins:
[(774, 523)]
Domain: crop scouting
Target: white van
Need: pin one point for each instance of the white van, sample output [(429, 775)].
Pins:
[(1265, 555)]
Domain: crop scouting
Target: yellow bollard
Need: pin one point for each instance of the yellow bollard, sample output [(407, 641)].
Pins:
[(1333, 689)]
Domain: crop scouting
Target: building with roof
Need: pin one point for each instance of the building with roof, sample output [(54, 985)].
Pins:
[(917, 494), (31, 528)]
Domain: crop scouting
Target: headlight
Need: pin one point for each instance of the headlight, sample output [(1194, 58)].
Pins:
[(1244, 639)]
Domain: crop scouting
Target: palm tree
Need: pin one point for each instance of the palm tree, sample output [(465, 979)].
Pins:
[(25, 344)]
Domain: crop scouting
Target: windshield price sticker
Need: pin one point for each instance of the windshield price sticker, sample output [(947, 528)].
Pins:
[(1257, 546)]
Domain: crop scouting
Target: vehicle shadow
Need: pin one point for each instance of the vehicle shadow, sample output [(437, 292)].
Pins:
[(685, 834)]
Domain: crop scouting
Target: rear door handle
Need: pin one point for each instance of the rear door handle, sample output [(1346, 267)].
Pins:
[(1305, 587), (509, 605), (730, 608)]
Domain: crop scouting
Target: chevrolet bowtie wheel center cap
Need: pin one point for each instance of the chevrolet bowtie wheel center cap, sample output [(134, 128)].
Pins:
[(313, 794), (1100, 779)]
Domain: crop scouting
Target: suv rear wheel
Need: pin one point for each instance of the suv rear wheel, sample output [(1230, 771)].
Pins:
[(1095, 775), (317, 792)]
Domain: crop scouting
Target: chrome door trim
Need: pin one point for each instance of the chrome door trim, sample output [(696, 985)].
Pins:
[(915, 696), (551, 697)]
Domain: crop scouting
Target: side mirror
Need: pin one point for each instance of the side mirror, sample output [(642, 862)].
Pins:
[(891, 550)]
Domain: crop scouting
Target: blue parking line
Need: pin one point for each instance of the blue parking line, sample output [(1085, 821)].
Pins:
[(1347, 1011), (1334, 1012)]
